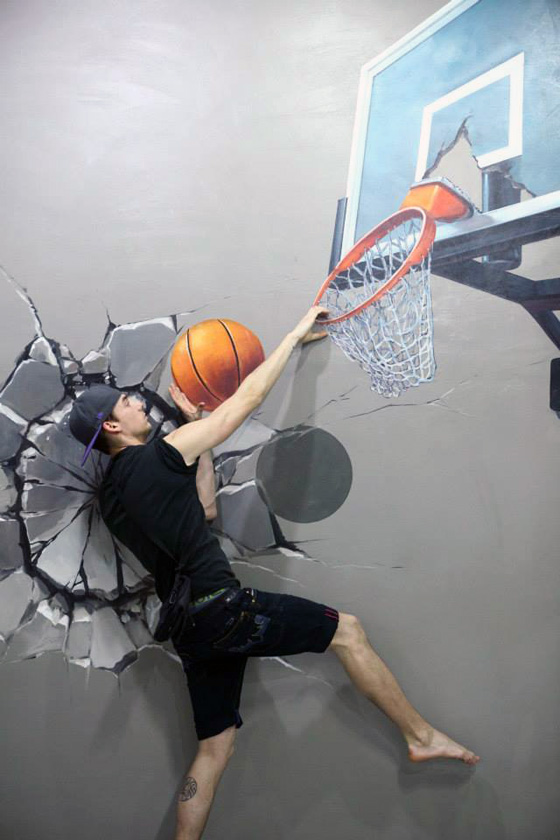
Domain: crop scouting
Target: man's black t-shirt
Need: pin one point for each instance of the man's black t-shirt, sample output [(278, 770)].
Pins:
[(149, 501)]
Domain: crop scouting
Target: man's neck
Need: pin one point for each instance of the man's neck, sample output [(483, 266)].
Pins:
[(125, 444)]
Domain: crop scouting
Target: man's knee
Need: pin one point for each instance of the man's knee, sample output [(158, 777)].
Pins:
[(219, 747), (349, 632)]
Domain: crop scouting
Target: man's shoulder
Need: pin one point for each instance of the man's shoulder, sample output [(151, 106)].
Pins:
[(129, 472), (172, 457), (124, 463), (157, 454)]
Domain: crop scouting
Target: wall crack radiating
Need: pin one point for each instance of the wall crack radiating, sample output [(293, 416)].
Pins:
[(66, 584)]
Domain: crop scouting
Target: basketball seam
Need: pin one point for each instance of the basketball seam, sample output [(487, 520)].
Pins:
[(199, 377), (235, 352)]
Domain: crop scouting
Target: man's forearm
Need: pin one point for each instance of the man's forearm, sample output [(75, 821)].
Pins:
[(206, 484), (261, 380)]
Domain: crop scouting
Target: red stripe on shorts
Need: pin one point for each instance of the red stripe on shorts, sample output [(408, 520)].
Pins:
[(330, 613)]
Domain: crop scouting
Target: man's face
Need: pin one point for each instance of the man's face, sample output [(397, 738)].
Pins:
[(130, 415)]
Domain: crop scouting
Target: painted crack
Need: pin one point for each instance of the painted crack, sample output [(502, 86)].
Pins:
[(66, 583)]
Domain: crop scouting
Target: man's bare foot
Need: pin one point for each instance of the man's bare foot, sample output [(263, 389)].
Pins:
[(438, 745)]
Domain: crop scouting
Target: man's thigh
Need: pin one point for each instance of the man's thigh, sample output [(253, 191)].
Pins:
[(215, 687), (253, 622)]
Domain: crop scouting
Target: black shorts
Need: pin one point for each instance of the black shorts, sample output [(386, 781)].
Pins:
[(235, 625)]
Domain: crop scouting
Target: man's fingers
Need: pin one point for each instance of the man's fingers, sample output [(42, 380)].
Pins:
[(311, 336)]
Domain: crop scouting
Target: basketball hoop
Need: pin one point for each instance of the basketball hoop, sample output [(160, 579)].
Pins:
[(379, 293)]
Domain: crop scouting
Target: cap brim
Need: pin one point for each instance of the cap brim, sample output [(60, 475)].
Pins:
[(90, 445)]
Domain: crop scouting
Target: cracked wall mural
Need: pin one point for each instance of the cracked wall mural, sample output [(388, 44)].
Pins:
[(66, 582), (155, 160)]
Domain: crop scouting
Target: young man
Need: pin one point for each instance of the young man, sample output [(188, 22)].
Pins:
[(150, 500)]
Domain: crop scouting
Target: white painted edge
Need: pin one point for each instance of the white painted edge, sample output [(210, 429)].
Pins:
[(528, 209), (512, 68), (367, 74)]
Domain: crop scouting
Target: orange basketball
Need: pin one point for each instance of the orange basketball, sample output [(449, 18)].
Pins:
[(211, 359)]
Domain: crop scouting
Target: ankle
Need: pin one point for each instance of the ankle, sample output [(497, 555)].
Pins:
[(419, 735)]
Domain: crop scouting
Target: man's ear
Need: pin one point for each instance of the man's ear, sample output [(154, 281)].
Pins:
[(110, 425)]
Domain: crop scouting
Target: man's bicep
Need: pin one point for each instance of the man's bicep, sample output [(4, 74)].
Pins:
[(193, 439)]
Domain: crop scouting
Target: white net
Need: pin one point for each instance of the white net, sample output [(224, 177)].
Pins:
[(392, 338)]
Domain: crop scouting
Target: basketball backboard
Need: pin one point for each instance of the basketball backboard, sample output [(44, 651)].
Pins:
[(483, 73)]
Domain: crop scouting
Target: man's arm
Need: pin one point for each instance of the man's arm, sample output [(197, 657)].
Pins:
[(194, 438), (205, 479), (206, 485)]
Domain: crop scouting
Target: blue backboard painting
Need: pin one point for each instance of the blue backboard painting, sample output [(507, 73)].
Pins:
[(489, 69)]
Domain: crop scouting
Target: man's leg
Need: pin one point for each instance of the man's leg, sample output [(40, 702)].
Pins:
[(373, 679), (200, 783)]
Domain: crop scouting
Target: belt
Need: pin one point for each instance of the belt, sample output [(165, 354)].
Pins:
[(205, 599)]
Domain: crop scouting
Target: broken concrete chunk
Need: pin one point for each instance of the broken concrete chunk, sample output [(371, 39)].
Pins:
[(129, 559), (131, 581), (137, 349), (8, 494), (111, 646), (34, 388), (82, 613), (41, 351), (79, 587), (69, 366), (151, 612), (153, 380), (40, 591), (78, 641), (12, 428), (54, 609), (229, 548), (65, 352), (246, 467), (38, 636), (33, 466), (226, 470), (11, 556), (244, 517), (62, 558), (15, 597), (138, 632), (55, 442), (39, 498), (96, 361), (100, 564), (155, 415), (42, 527)]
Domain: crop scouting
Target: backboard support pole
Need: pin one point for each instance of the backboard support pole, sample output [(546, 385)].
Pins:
[(336, 247), (539, 298), (498, 191), (548, 322)]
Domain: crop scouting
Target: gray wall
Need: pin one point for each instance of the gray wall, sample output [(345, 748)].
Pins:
[(161, 157)]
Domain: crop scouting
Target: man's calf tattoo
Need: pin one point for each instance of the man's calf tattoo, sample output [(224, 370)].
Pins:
[(188, 790)]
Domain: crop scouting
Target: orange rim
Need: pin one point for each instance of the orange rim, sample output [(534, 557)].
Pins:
[(423, 245)]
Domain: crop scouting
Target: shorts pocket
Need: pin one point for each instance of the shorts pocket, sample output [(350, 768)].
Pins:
[(233, 630), (251, 634)]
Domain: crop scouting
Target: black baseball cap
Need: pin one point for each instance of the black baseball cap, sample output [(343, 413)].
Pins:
[(89, 412)]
